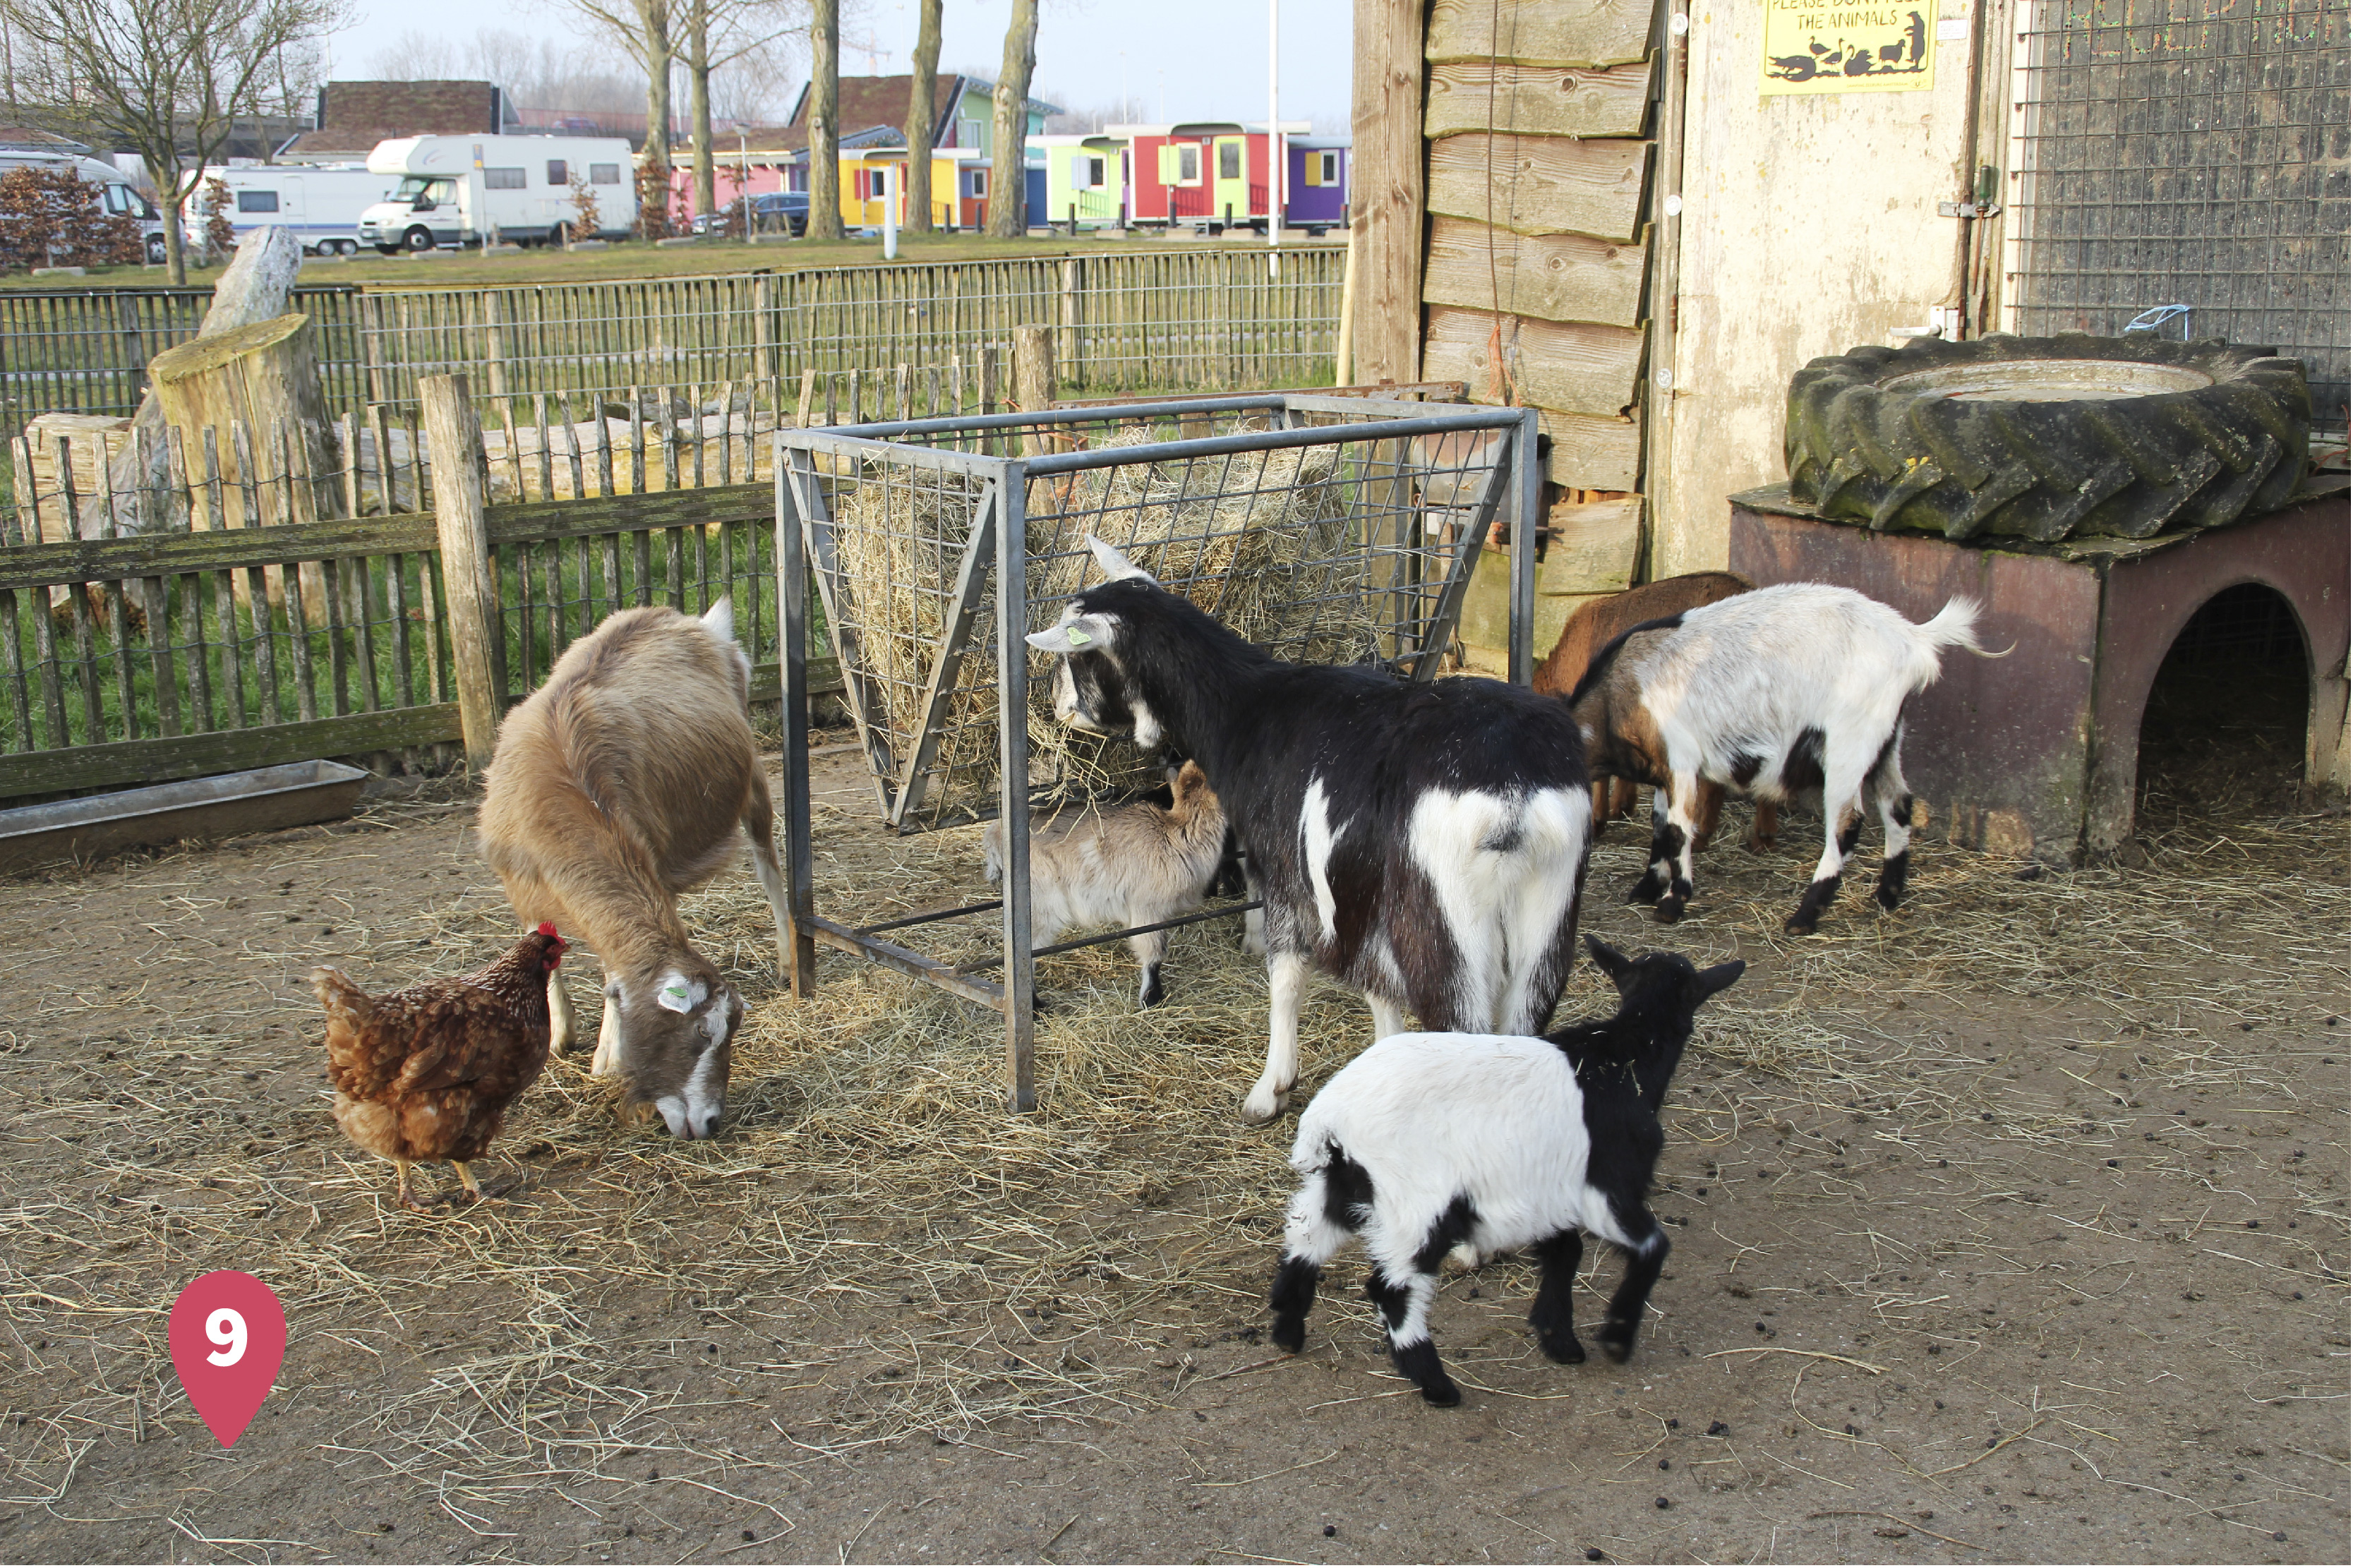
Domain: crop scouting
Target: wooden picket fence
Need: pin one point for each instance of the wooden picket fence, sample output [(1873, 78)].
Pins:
[(1199, 318), (305, 612)]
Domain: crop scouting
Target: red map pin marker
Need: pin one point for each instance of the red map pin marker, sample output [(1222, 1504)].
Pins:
[(229, 1336)]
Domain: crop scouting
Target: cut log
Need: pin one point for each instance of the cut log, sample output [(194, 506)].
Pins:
[(264, 381), (255, 288)]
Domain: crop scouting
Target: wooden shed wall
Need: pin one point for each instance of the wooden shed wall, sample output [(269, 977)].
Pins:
[(1504, 153)]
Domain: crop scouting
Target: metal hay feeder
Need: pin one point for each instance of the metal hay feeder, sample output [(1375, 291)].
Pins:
[(1328, 530)]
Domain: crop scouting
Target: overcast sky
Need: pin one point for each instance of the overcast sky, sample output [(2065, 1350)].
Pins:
[(1197, 60)]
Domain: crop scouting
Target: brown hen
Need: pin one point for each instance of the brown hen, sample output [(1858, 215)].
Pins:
[(425, 1073)]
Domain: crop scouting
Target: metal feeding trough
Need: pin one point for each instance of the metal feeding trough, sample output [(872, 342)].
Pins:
[(255, 801)]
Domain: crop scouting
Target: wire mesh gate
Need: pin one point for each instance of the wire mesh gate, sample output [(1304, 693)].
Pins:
[(1325, 530), (2184, 152)]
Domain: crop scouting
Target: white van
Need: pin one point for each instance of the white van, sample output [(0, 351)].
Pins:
[(321, 203), (117, 195), (472, 190)]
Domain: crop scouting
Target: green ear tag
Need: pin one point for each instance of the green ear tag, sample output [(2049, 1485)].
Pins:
[(1079, 638)]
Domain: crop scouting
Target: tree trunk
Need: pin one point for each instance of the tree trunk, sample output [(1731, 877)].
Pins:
[(655, 17), (698, 68), (1009, 180), (176, 245), (922, 116), (825, 119)]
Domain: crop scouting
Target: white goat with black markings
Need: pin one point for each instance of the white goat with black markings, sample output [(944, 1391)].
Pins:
[(1430, 1142), (1422, 843), (1133, 865), (1781, 693)]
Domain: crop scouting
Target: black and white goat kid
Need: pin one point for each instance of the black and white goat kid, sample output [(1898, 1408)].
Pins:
[(1427, 1142), (1424, 844), (1781, 693)]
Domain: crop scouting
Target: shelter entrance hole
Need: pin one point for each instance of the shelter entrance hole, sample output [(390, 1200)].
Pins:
[(2222, 735)]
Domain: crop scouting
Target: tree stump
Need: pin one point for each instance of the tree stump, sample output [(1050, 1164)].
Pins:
[(253, 394)]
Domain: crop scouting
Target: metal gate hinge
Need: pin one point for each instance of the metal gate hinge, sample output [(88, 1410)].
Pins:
[(1968, 210)]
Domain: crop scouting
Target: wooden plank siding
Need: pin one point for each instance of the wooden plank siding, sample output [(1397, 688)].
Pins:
[(1537, 121), (1541, 185), (1388, 190), (1537, 101), (1556, 276), (1540, 32)]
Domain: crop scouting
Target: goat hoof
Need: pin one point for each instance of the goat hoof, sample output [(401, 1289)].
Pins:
[(1445, 1395), (1800, 925), (1262, 1106), (1616, 1343), (1668, 912), (1645, 891), (1567, 1351), (1291, 1337)]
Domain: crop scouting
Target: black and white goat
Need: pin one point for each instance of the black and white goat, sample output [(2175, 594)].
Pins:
[(1427, 1142), (1134, 865), (1781, 692), (1424, 844)]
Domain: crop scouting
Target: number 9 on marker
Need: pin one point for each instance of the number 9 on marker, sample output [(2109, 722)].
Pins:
[(228, 1335), (225, 1328)]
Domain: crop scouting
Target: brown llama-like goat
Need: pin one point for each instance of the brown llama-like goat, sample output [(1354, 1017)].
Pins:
[(616, 787)]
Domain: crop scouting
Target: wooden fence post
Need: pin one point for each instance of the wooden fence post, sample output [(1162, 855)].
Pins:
[(454, 439), (1068, 352), (1033, 380)]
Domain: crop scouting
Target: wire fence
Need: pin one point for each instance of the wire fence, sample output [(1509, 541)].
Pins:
[(1199, 318), (2188, 153)]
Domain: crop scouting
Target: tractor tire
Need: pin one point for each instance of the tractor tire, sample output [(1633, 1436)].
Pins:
[(2045, 438)]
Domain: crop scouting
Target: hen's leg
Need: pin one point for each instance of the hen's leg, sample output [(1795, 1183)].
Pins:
[(407, 1201), (467, 1178)]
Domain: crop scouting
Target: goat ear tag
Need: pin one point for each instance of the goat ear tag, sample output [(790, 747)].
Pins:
[(1076, 637), (675, 998)]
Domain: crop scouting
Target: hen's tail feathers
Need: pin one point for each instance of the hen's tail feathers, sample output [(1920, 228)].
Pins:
[(338, 993)]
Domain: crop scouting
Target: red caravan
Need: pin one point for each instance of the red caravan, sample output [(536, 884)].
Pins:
[(1202, 173)]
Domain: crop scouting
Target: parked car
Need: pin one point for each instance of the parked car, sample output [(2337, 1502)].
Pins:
[(781, 212)]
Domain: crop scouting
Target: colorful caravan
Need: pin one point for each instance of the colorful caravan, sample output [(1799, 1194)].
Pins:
[(1204, 174)]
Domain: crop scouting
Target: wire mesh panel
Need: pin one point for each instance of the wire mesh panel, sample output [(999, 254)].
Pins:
[(2188, 153), (1323, 530)]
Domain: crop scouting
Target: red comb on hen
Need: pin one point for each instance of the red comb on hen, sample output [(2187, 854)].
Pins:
[(547, 928)]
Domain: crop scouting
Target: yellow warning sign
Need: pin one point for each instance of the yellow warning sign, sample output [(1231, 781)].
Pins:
[(1813, 48)]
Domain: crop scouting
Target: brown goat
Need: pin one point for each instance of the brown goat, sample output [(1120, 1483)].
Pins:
[(618, 786), (1592, 628)]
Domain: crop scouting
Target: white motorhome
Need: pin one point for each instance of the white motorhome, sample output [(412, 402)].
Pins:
[(321, 203), (116, 194), (470, 190)]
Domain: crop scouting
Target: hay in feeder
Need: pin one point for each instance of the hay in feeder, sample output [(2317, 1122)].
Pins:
[(1260, 540)]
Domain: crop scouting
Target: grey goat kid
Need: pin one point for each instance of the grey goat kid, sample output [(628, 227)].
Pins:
[(1124, 865)]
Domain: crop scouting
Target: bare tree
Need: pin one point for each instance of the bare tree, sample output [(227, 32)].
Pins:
[(168, 79), (1009, 180), (825, 119), (922, 115), (418, 56), (719, 34), (645, 29)]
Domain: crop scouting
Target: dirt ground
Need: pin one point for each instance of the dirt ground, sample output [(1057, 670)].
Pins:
[(2010, 1227)]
